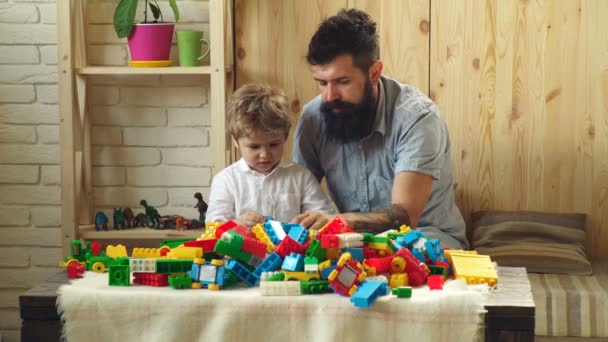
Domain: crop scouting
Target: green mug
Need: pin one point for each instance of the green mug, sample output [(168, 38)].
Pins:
[(189, 45)]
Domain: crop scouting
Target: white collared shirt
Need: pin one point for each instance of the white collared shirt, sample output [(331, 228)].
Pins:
[(290, 189)]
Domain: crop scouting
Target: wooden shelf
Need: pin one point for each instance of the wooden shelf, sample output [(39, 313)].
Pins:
[(88, 232), (127, 70)]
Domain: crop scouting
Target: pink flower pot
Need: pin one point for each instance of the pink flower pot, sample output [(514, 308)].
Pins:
[(151, 42)]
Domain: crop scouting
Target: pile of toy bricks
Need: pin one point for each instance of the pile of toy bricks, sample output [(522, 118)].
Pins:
[(287, 259)]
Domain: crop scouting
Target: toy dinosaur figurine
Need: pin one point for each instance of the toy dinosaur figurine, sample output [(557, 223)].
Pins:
[(129, 217), (119, 219), (152, 214), (201, 206), (141, 220), (101, 221)]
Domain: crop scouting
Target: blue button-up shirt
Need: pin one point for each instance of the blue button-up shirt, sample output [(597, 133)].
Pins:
[(408, 135)]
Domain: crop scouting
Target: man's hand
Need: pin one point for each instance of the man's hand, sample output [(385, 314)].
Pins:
[(313, 219), (250, 219)]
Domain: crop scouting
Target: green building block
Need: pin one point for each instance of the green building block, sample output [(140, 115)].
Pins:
[(403, 291), (315, 287), (119, 275), (279, 276), (180, 282), (315, 250), (173, 266), (172, 243), (439, 270)]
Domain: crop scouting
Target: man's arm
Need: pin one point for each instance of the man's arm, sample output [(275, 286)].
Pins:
[(411, 191)]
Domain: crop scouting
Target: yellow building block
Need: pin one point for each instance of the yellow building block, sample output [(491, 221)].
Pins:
[(474, 268), (448, 253), (185, 253), (145, 253), (398, 279), (116, 251), (260, 233)]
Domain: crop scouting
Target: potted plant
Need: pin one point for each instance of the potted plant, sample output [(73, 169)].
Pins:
[(150, 40)]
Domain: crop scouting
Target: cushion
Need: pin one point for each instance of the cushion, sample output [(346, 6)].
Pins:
[(541, 242), (569, 305)]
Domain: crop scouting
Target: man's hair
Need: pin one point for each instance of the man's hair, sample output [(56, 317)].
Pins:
[(258, 107), (351, 31)]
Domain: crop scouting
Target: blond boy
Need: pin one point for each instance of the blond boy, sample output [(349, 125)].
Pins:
[(260, 183)]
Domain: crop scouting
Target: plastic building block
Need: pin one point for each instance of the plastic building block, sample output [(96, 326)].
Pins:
[(145, 253), (169, 266), (254, 247), (403, 292), (119, 275), (288, 246), (151, 279), (438, 270), (185, 253), (476, 269), (336, 226), (293, 262), (311, 264), (275, 231), (142, 265), (242, 273), (419, 254), (435, 282), (260, 233), (368, 292), (180, 282), (356, 252), (380, 265), (231, 243), (280, 288), (347, 275), (273, 276), (116, 251), (302, 276), (398, 264), (297, 232), (207, 274), (315, 287), (272, 263), (207, 245), (398, 279), (75, 269), (417, 271)]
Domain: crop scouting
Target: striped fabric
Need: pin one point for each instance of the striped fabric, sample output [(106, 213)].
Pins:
[(569, 305)]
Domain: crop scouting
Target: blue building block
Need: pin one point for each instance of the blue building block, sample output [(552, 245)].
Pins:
[(242, 272), (419, 254), (275, 231), (356, 252), (207, 274), (272, 262), (433, 250), (411, 237), (368, 292), (326, 271), (294, 263), (297, 232)]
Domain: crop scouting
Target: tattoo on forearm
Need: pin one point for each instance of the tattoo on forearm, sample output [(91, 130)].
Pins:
[(392, 217)]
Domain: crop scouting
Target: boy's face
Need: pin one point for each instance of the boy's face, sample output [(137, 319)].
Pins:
[(262, 150)]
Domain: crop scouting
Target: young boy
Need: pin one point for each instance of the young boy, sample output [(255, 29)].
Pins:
[(260, 184)]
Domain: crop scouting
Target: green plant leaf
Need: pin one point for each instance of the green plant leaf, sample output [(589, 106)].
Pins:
[(124, 17), (175, 9), (155, 11)]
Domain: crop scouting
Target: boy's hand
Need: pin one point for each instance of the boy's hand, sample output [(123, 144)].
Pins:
[(312, 219), (250, 219)]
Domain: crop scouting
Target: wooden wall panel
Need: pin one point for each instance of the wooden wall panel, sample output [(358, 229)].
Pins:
[(272, 41), (523, 87), (403, 27)]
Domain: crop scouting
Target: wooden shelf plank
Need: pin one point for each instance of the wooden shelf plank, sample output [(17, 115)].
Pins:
[(127, 70), (88, 232)]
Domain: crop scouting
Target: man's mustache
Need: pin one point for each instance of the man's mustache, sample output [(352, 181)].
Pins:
[(337, 104)]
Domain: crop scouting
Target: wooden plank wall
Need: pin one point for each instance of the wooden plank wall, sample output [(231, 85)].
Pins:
[(523, 86)]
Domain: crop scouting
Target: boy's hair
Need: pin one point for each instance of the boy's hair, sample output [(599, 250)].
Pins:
[(258, 107), (351, 31)]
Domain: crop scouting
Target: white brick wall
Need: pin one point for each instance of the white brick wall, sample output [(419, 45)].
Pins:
[(150, 138)]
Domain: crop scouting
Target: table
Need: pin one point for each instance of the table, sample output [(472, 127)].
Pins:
[(509, 317)]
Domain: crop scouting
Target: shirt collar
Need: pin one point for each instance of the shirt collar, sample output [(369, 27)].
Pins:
[(379, 121), (242, 166)]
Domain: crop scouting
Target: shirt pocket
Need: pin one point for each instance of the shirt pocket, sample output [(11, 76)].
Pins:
[(287, 205)]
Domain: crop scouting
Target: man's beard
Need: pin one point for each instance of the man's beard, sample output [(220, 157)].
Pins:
[(354, 120)]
